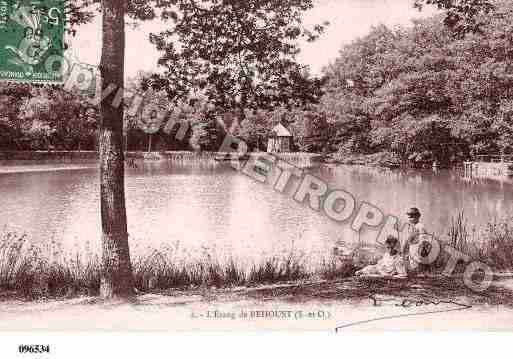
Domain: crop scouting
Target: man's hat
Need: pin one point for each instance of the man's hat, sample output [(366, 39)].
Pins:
[(413, 212)]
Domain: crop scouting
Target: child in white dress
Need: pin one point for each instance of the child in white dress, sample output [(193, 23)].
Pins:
[(392, 263)]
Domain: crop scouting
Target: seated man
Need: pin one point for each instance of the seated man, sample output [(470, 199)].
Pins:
[(392, 263)]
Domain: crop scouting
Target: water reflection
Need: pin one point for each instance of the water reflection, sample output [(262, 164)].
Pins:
[(206, 208), (440, 194)]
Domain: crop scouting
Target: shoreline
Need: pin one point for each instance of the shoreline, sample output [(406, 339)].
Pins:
[(31, 169), (375, 160), (93, 155)]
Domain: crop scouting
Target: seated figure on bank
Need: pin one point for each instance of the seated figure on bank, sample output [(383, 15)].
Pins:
[(392, 263), (411, 239)]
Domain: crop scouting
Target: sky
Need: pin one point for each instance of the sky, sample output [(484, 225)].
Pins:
[(349, 19)]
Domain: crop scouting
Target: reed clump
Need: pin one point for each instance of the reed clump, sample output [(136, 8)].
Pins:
[(28, 271)]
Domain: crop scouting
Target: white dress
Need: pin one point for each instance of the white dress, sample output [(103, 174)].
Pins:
[(387, 266)]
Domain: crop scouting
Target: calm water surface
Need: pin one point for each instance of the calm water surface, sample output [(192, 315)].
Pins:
[(211, 209)]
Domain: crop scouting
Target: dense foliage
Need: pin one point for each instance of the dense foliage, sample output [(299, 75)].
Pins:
[(238, 54), (422, 93), (45, 118)]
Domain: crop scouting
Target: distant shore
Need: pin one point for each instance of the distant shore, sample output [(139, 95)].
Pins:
[(37, 155), (383, 160), (376, 160)]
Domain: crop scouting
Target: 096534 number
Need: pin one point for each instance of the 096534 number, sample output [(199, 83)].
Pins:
[(34, 349)]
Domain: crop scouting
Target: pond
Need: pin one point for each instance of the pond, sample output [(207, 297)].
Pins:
[(211, 209)]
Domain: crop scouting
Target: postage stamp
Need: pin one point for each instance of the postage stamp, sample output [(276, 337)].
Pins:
[(31, 35)]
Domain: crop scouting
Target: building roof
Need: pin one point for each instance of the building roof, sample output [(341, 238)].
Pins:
[(281, 131)]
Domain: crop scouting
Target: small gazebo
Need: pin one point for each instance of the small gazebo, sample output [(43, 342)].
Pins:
[(279, 139)]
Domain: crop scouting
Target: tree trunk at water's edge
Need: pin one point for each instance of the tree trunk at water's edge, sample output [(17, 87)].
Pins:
[(117, 279)]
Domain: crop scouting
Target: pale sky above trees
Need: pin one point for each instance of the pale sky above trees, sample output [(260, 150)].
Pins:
[(349, 19)]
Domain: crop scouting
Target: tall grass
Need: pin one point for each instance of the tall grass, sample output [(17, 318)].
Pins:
[(27, 272), (159, 271), (30, 271), (492, 245), (497, 247)]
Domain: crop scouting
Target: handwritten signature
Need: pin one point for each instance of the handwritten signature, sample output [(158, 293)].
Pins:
[(409, 303)]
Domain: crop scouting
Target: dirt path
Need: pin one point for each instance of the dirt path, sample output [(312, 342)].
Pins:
[(427, 304)]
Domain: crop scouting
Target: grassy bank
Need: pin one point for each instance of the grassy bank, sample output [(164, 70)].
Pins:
[(26, 272)]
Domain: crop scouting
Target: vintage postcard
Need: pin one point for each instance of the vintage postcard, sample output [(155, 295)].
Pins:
[(256, 165)]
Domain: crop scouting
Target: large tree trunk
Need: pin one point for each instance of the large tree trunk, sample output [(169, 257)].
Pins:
[(117, 280)]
